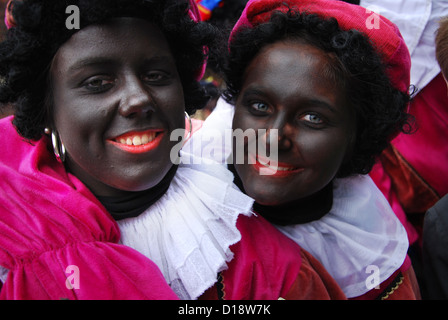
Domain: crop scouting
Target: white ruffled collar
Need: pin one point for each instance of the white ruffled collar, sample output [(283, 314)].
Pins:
[(359, 235), (189, 231)]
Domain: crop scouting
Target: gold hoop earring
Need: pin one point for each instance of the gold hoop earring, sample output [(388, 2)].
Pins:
[(190, 125), (58, 146)]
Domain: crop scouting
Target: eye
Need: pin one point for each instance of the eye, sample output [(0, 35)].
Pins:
[(155, 77), (98, 84), (259, 107), (312, 118)]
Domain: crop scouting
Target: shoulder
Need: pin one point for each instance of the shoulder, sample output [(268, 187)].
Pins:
[(8, 131), (6, 122), (18, 148), (274, 267), (314, 282)]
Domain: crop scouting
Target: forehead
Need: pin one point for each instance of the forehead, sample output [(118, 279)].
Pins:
[(292, 59), (293, 67), (118, 38)]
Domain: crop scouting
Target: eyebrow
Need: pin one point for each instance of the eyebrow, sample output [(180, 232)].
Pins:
[(323, 104), (254, 91), (89, 62), (98, 61)]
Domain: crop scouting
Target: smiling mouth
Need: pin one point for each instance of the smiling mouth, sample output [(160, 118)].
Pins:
[(275, 169), (138, 142)]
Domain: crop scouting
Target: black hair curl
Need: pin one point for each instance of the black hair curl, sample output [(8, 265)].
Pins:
[(29, 48), (380, 109)]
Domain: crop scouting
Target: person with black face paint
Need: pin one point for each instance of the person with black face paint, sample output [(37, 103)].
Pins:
[(333, 93)]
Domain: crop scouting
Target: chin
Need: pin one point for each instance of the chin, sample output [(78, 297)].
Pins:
[(140, 182), (264, 197)]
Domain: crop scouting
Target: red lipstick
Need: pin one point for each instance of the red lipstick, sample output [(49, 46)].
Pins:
[(138, 141), (268, 167)]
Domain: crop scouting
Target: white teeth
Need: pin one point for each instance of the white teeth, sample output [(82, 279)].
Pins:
[(266, 164), (284, 169), (263, 163), (138, 140)]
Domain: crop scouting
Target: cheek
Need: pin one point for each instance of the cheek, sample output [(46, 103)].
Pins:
[(246, 140), (254, 185), (324, 153), (170, 104), (80, 127)]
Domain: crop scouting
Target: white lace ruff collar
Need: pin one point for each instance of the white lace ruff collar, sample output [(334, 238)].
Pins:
[(361, 235), (188, 231)]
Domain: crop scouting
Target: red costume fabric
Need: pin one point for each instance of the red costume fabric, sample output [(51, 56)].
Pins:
[(273, 269), (412, 173)]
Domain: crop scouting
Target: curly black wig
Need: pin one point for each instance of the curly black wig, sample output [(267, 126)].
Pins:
[(380, 109), (27, 52)]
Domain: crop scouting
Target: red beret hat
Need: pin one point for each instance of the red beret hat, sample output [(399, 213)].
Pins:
[(383, 34)]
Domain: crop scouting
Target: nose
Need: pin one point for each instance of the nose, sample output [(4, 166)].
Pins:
[(280, 132), (136, 99)]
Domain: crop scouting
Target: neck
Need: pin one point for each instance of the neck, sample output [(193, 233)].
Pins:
[(135, 203)]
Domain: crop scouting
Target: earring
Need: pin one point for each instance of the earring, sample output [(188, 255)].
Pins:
[(187, 116), (58, 146)]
